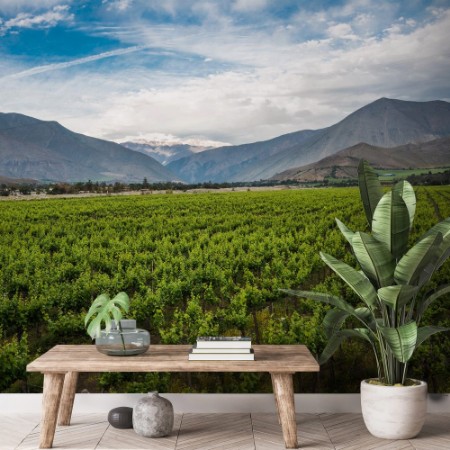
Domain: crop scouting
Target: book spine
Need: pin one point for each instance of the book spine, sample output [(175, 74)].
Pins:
[(234, 351), (213, 345), (219, 357)]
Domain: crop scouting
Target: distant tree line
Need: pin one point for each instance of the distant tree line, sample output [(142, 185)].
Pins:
[(103, 187), (431, 179)]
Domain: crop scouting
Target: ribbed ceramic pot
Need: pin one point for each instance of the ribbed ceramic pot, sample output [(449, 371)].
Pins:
[(394, 412), (153, 416), (121, 417)]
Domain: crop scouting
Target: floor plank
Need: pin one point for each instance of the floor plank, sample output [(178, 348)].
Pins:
[(85, 432), (15, 428), (222, 432), (216, 431), (119, 439), (348, 432)]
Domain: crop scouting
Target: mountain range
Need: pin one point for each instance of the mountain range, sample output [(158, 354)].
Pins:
[(344, 164), (46, 151), (383, 123), (169, 148), (389, 133)]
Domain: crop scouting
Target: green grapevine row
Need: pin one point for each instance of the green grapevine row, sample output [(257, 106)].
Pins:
[(193, 264)]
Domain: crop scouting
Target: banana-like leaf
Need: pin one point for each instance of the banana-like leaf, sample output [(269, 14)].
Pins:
[(333, 320), (445, 254), (391, 224), (401, 340), (369, 189), (417, 266), (336, 340), (103, 310), (374, 258), (443, 228), (426, 302), (406, 192), (324, 298), (424, 333), (365, 314), (356, 280), (397, 296), (348, 234)]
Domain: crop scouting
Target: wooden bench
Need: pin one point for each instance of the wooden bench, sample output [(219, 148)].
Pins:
[(62, 364)]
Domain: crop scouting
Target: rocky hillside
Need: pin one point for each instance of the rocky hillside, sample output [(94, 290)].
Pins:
[(427, 155), (384, 123), (46, 151)]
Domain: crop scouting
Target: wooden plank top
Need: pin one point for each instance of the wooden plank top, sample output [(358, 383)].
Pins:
[(172, 358)]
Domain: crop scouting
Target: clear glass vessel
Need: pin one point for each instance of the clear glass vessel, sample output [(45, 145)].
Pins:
[(125, 340)]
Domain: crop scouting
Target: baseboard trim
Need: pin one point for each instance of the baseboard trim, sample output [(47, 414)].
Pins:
[(211, 403)]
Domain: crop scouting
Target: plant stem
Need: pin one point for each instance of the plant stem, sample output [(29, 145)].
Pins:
[(119, 327), (383, 354), (404, 373)]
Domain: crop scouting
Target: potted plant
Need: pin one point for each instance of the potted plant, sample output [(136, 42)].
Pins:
[(119, 337), (390, 284)]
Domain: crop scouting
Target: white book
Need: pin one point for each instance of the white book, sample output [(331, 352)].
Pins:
[(222, 356), (213, 342), (220, 350)]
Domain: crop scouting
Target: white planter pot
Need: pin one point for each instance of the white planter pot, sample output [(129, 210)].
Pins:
[(392, 412)]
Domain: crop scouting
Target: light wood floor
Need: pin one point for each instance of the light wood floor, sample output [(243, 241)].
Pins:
[(221, 432)]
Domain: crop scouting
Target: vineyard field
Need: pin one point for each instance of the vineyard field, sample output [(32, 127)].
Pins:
[(193, 264)]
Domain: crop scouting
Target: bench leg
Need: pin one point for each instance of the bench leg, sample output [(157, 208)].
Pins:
[(53, 384), (68, 397), (283, 388), (276, 403)]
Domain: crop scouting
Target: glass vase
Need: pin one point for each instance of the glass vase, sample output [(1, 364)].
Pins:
[(125, 340)]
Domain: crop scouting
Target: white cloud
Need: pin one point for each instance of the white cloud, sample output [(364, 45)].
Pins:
[(118, 5), (59, 13), (13, 6), (75, 62), (162, 139), (249, 5), (341, 31), (274, 82)]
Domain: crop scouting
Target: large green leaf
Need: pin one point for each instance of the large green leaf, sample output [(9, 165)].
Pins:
[(356, 280), (401, 340), (445, 254), (406, 192), (426, 302), (369, 189), (397, 296), (324, 298), (390, 223), (336, 339), (333, 320), (104, 310), (424, 333), (443, 228), (348, 234), (417, 266), (365, 314), (374, 258)]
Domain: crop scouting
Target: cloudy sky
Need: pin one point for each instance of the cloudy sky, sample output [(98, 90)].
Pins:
[(226, 70)]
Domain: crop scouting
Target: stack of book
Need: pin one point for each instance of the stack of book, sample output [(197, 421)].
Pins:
[(222, 348)]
